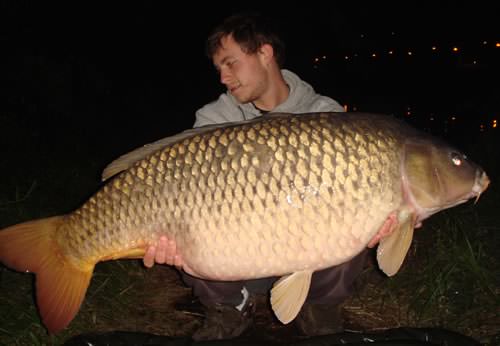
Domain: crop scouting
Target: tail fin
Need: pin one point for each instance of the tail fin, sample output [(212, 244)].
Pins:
[(60, 283)]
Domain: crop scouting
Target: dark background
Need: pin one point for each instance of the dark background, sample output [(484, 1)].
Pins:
[(84, 82), (112, 76)]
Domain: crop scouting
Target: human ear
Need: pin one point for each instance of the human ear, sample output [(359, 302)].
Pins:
[(266, 53)]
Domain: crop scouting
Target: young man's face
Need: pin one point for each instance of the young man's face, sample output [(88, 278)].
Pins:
[(244, 75)]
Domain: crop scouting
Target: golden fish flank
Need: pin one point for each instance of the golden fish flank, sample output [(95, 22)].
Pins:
[(282, 195)]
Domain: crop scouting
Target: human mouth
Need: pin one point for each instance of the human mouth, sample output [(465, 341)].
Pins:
[(232, 89)]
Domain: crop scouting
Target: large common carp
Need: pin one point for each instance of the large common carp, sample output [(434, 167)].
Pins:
[(281, 195)]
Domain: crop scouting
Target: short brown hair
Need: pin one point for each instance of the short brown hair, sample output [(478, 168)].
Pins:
[(250, 31)]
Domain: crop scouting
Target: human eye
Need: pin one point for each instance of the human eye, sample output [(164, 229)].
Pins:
[(231, 63)]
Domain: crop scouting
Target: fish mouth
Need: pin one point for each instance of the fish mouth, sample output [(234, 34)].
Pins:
[(480, 185)]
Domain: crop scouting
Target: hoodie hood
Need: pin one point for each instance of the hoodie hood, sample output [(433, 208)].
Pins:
[(299, 97)]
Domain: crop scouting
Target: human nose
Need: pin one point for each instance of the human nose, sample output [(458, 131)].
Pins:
[(225, 76)]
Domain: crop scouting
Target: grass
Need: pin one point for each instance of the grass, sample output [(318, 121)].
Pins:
[(450, 278), (453, 284), (19, 317)]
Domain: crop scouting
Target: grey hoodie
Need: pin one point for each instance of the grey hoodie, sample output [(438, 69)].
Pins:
[(302, 99)]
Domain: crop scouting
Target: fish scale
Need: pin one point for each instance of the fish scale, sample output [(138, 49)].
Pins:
[(308, 205)]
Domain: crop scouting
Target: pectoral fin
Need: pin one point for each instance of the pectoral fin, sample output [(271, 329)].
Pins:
[(289, 294), (392, 249)]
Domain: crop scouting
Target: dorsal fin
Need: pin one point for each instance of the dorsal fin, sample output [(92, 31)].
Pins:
[(127, 160)]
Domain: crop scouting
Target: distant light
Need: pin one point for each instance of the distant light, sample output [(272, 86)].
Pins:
[(390, 52), (316, 59), (497, 44), (408, 113), (431, 118), (481, 127), (374, 55), (345, 108), (474, 62), (455, 49), (324, 57), (494, 124), (346, 57), (410, 53), (434, 48), (393, 33), (453, 118), (485, 42), (362, 35)]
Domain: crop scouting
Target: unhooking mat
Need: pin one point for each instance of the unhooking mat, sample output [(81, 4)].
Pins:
[(398, 336)]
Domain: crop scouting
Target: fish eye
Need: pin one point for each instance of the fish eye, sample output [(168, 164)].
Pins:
[(457, 159)]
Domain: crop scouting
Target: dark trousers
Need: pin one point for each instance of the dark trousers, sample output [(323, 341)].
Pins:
[(331, 286)]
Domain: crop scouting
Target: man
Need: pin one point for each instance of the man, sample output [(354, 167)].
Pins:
[(248, 56)]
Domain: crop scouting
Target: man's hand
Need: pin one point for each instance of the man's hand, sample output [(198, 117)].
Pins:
[(165, 252), (387, 228)]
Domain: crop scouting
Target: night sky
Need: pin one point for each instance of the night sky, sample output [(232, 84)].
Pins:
[(137, 70)]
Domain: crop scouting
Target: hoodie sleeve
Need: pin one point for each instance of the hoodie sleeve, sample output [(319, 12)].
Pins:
[(220, 111), (303, 98), (326, 104)]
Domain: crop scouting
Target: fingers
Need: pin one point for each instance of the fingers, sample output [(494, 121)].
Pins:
[(165, 252), (161, 250), (178, 261), (156, 254), (149, 257), (374, 241), (173, 258), (387, 228), (170, 252)]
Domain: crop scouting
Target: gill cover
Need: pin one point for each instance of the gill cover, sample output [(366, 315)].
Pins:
[(437, 176)]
